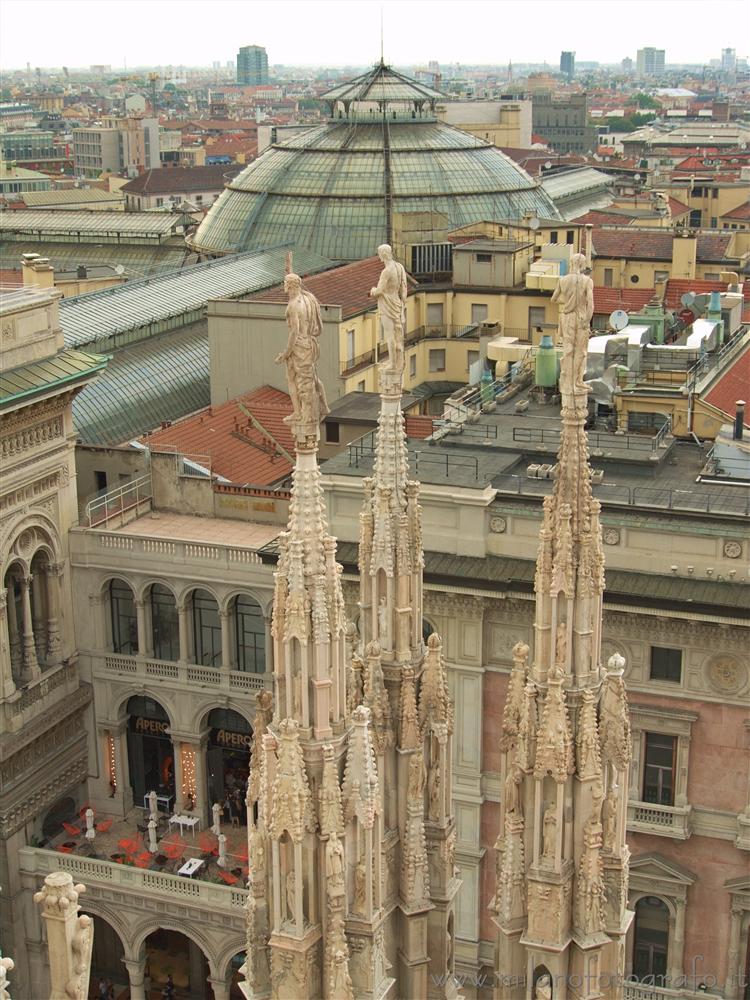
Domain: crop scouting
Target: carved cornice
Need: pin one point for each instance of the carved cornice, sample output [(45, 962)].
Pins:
[(39, 799)]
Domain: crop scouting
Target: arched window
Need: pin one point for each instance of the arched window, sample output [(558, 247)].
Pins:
[(250, 635), (164, 623), (124, 619), (651, 940), (15, 623), (206, 629), (40, 604), (427, 629)]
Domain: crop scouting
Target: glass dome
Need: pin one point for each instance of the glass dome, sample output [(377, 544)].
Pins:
[(335, 188)]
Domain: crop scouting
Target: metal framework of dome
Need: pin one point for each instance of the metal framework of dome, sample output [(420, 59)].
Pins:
[(383, 86), (337, 187)]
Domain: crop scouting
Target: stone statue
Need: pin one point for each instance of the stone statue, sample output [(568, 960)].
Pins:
[(360, 888), (543, 988), (416, 777), (513, 791), (609, 820), (302, 354), (391, 294), (550, 834), (575, 295), (383, 622), (297, 696), (433, 791), (291, 895), (561, 649), (334, 862), (341, 984)]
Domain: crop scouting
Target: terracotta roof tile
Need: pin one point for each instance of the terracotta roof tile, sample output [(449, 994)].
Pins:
[(647, 244), (600, 218), (347, 286), (741, 212), (676, 288), (175, 180), (606, 300), (237, 450), (732, 385)]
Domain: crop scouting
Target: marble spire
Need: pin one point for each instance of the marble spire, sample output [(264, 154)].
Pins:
[(561, 897)]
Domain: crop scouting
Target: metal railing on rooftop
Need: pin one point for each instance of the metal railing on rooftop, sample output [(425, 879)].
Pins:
[(734, 502), (597, 439), (362, 453), (127, 497)]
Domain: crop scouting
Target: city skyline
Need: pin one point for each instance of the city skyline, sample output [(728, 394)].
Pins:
[(413, 33)]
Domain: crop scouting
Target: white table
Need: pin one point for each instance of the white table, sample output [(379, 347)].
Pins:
[(190, 867), (162, 802), (189, 821)]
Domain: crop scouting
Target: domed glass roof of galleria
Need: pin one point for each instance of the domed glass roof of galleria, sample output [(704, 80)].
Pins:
[(336, 188)]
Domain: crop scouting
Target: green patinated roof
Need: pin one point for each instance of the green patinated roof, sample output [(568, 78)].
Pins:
[(329, 189), (382, 85), (621, 585), (38, 377)]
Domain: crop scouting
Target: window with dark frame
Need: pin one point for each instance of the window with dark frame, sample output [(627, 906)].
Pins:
[(659, 769), (332, 431), (666, 664), (250, 635), (124, 618)]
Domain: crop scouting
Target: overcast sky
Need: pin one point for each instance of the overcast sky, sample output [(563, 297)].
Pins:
[(347, 32)]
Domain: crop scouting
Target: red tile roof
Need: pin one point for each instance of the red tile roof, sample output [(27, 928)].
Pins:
[(600, 218), (652, 244), (676, 288), (347, 286), (606, 300), (741, 212), (178, 180), (732, 385), (237, 449)]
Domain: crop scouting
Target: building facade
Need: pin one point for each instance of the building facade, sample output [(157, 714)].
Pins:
[(649, 61), (563, 122), (129, 145), (44, 704), (252, 66), (568, 64)]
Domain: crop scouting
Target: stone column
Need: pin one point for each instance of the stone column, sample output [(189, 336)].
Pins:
[(226, 642), (55, 573), (140, 612), (182, 619), (14, 639), (220, 988), (734, 967), (122, 766), (30, 663), (136, 973), (202, 805), (7, 685), (99, 630), (677, 942), (269, 645), (39, 584), (69, 937), (195, 965), (177, 757)]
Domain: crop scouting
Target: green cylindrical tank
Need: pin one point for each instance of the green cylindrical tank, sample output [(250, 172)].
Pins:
[(486, 391), (545, 372)]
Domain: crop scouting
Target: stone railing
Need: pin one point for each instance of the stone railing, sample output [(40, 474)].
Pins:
[(188, 675), (62, 679), (94, 873), (664, 821), (643, 991)]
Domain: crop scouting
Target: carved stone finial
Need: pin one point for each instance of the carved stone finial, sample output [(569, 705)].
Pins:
[(291, 806), (69, 936)]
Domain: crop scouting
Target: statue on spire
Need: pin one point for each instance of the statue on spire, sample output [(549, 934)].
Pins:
[(301, 356), (575, 293), (391, 293)]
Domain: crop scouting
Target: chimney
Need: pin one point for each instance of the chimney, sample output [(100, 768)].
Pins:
[(37, 271), (684, 253), (739, 420)]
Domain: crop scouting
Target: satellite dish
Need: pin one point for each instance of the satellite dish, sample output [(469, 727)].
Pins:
[(618, 320), (636, 177), (687, 299), (534, 223)]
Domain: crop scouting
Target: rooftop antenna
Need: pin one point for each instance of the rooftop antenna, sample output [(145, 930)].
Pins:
[(382, 61)]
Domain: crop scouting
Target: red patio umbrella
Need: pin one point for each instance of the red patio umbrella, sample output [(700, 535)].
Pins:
[(128, 845), (208, 844), (71, 829), (65, 850), (172, 851), (143, 860), (104, 826)]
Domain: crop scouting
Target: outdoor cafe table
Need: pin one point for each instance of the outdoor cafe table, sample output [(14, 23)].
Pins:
[(190, 867), (189, 821)]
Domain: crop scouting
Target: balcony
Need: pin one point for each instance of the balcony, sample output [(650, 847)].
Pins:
[(160, 887), (358, 362), (187, 676), (658, 820)]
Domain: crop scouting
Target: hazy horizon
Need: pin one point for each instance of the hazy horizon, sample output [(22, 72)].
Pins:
[(481, 32)]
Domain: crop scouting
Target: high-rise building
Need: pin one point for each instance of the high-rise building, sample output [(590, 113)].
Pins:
[(729, 60), (568, 64), (650, 61), (252, 65), (563, 121)]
